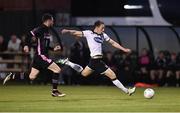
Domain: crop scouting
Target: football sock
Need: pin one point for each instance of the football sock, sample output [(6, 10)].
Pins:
[(55, 78), (118, 84), (76, 67)]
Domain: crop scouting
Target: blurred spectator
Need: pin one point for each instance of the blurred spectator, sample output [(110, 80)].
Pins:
[(118, 59), (167, 55), (126, 62), (158, 70), (127, 70), (178, 69), (14, 46), (23, 37), (171, 70), (2, 66), (108, 58), (134, 58), (14, 43), (3, 45), (117, 62), (77, 53), (124, 67), (144, 63)]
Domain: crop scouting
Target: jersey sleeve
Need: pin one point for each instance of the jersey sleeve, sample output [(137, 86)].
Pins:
[(37, 32), (106, 37), (86, 33)]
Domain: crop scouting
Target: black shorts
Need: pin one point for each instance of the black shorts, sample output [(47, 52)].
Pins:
[(41, 62), (97, 65)]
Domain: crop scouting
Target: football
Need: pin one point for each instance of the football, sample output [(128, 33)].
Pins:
[(149, 93)]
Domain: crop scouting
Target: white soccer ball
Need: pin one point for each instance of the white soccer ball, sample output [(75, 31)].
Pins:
[(149, 93)]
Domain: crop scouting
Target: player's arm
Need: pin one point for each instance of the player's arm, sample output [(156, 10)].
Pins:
[(72, 32), (27, 42), (35, 33), (60, 46), (118, 46)]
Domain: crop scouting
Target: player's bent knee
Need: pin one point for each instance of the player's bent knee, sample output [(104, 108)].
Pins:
[(58, 70), (113, 76), (55, 70), (109, 73), (86, 72)]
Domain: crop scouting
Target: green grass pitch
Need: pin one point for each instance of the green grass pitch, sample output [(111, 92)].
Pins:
[(27, 98)]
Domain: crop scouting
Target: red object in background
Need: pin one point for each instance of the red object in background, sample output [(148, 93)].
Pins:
[(140, 84)]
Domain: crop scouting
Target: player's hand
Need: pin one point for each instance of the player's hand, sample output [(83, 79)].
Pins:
[(26, 49), (56, 48), (127, 50), (64, 31)]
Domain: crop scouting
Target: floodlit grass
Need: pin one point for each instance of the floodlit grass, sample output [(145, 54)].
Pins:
[(19, 98)]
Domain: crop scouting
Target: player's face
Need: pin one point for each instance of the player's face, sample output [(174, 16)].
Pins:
[(101, 28), (51, 22)]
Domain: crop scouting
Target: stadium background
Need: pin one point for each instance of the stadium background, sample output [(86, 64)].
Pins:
[(19, 16)]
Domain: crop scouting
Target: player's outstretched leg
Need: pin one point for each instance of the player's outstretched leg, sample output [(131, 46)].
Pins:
[(74, 66), (109, 73)]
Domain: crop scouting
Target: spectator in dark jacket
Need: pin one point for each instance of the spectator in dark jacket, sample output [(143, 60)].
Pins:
[(171, 70), (160, 64)]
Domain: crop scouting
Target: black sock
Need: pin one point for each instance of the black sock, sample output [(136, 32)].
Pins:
[(55, 78)]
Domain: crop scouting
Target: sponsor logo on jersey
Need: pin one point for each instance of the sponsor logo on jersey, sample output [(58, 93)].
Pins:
[(99, 39)]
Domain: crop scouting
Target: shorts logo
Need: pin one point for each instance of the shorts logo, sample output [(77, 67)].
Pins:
[(99, 39)]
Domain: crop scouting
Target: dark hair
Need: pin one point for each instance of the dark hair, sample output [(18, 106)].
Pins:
[(46, 17), (98, 23)]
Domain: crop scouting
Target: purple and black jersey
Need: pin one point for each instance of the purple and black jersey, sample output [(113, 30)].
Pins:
[(42, 35)]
